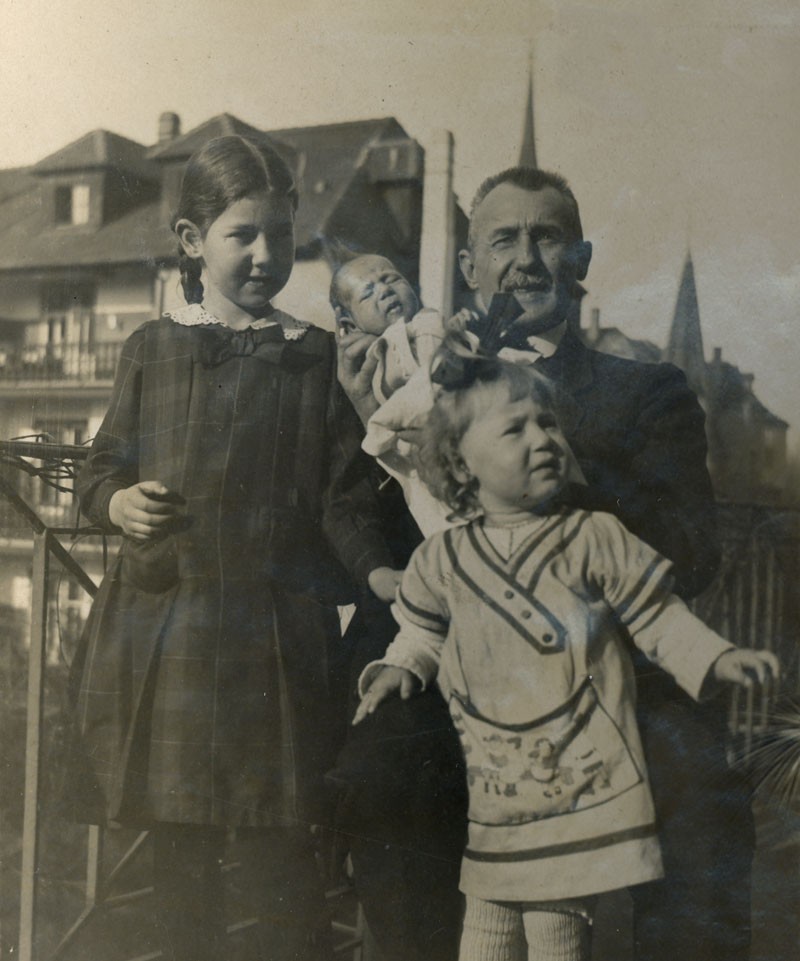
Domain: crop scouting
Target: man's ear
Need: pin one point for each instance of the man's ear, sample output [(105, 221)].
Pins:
[(190, 237), (467, 266), (582, 256)]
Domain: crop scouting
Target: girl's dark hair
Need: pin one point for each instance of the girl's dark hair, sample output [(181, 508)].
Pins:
[(221, 172), (439, 459)]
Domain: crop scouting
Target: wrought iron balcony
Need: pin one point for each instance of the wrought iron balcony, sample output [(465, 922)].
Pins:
[(63, 911), (59, 362)]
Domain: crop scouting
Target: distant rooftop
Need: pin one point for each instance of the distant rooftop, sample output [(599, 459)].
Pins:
[(98, 149), (327, 161)]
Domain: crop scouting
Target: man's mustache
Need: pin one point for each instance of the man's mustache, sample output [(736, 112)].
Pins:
[(520, 281)]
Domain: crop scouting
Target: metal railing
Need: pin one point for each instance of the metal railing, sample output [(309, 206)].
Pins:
[(46, 546), (752, 602), (59, 362), (98, 894)]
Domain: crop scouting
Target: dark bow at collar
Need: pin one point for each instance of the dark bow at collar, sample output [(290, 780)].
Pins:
[(219, 344), (458, 363), (495, 330)]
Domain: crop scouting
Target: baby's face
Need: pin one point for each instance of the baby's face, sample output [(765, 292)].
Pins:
[(376, 294)]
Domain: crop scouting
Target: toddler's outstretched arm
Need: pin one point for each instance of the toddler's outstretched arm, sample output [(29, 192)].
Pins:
[(743, 666), (391, 680)]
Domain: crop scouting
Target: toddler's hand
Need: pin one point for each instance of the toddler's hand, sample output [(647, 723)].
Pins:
[(391, 680), (743, 666), (146, 510), (458, 322), (383, 582)]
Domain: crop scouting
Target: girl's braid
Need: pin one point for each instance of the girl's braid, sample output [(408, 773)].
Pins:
[(190, 269)]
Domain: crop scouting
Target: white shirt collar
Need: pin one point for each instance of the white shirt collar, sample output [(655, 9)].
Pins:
[(547, 342)]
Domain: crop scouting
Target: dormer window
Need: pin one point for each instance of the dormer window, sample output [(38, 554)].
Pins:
[(72, 204)]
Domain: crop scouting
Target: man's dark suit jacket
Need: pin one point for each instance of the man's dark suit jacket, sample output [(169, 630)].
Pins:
[(638, 433)]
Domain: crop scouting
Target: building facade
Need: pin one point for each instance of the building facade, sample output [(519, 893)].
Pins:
[(747, 449), (87, 255)]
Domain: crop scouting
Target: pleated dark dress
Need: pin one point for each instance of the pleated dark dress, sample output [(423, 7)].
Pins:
[(202, 683)]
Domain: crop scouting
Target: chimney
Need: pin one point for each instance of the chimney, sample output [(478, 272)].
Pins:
[(437, 244), (717, 356), (169, 127)]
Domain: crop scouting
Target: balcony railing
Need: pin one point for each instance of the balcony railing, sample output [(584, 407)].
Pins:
[(14, 527), (753, 601), (115, 880), (59, 362)]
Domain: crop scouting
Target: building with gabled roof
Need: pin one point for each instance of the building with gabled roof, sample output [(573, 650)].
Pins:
[(106, 200), (87, 255), (94, 217), (746, 442), (611, 340), (747, 456)]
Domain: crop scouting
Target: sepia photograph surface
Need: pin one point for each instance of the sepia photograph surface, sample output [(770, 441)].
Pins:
[(256, 427)]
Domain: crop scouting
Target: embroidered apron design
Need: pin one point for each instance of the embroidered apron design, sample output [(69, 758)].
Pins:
[(573, 758)]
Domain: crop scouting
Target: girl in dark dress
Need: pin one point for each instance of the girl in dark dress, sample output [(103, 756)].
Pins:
[(229, 460)]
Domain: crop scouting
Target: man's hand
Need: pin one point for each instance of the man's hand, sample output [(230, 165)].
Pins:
[(146, 511), (383, 582), (355, 370), (744, 667), (391, 680)]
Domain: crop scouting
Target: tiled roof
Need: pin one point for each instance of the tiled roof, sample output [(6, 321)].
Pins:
[(223, 125), (731, 389), (612, 340), (726, 387), (326, 160), (26, 242), (99, 149)]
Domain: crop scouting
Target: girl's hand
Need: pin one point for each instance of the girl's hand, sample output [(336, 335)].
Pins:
[(383, 582), (355, 370), (391, 680), (146, 510), (743, 666)]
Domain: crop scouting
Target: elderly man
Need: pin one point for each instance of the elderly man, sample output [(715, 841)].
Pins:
[(638, 434)]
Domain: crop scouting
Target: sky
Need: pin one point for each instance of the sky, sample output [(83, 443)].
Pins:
[(675, 121)]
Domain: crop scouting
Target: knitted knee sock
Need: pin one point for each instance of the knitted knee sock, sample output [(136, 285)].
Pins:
[(492, 932), (556, 935)]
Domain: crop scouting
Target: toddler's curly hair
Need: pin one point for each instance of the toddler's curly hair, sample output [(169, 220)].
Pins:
[(465, 395)]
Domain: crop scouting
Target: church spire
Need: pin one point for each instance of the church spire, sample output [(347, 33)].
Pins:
[(527, 153), (685, 346)]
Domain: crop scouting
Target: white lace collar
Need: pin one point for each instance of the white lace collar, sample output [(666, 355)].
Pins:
[(193, 314)]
